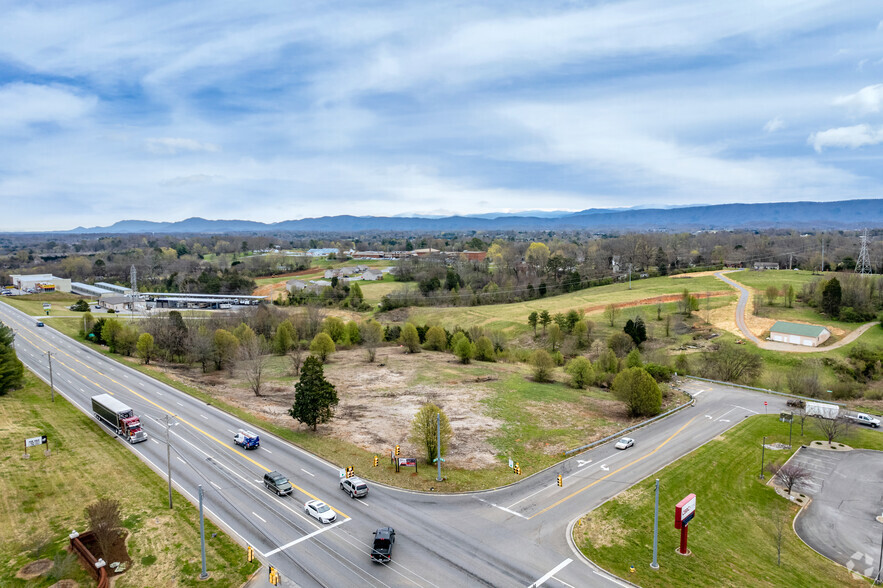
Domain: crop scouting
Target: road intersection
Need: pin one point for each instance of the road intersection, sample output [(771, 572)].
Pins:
[(511, 536)]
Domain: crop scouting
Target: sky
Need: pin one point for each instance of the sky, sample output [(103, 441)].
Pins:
[(273, 111)]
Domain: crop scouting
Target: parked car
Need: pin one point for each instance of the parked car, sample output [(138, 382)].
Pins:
[(319, 511), (278, 483), (247, 439), (384, 539), (796, 403), (624, 443), (355, 487)]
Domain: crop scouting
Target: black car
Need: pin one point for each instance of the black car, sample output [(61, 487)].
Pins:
[(384, 539), (277, 483)]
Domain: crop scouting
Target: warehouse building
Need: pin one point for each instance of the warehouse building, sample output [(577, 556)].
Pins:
[(799, 334), (40, 283)]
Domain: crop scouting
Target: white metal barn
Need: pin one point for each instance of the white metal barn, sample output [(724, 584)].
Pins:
[(799, 334)]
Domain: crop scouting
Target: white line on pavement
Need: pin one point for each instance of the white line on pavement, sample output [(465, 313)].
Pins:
[(267, 451), (306, 472), (213, 484), (258, 516), (178, 403), (748, 409), (530, 495), (203, 416), (304, 538), (503, 508), (554, 571)]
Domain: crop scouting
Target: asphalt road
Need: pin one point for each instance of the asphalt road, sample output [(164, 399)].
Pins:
[(513, 536)]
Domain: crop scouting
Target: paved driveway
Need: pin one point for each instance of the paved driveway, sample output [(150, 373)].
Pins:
[(840, 523)]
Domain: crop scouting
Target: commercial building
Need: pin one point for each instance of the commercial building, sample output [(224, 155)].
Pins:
[(40, 283), (799, 334)]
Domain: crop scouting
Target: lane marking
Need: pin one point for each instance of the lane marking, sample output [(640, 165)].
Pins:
[(580, 463), (181, 460), (551, 573), (599, 480), (604, 467), (304, 538), (748, 409), (306, 472), (267, 451), (215, 485), (258, 516), (725, 414), (178, 403), (530, 495), (203, 416), (503, 508)]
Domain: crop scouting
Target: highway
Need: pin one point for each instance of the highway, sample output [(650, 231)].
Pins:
[(513, 536)]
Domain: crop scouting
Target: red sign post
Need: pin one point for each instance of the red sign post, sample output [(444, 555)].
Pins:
[(685, 510)]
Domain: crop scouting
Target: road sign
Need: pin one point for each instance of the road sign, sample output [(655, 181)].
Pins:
[(34, 441), (511, 463), (435, 460), (684, 511), (408, 461)]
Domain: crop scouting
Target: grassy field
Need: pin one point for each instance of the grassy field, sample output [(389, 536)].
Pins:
[(778, 278), (43, 500), (733, 537), (512, 317), (32, 304)]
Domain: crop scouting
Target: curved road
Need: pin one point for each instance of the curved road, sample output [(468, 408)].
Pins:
[(744, 294), (513, 536)]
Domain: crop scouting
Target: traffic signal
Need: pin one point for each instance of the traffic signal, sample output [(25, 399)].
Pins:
[(274, 576), (560, 480), (517, 468), (376, 461), (250, 553), (398, 450), (350, 471)]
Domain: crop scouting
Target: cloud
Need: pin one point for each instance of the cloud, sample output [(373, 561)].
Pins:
[(867, 100), (23, 103), (174, 145), (187, 180), (774, 125), (852, 137)]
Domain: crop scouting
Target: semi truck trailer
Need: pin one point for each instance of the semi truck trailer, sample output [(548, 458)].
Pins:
[(119, 416)]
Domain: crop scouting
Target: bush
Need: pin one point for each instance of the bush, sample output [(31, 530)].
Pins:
[(850, 315), (874, 395), (542, 364), (322, 346), (410, 338), (464, 350), (639, 391), (484, 349), (660, 373), (558, 358), (620, 343), (436, 339), (633, 359), (845, 391), (581, 372)]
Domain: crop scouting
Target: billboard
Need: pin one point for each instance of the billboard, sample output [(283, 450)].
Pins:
[(684, 511), (408, 461)]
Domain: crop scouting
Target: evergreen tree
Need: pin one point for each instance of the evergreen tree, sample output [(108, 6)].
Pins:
[(11, 368), (314, 397), (831, 297), (532, 321)]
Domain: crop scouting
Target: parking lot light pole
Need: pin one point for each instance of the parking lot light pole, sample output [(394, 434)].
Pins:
[(438, 445), (51, 381), (790, 426), (204, 574), (762, 448), (654, 564)]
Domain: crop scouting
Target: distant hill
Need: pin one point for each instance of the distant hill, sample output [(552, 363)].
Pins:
[(846, 214)]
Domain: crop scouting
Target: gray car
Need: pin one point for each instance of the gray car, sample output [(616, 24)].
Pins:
[(355, 487), (278, 483)]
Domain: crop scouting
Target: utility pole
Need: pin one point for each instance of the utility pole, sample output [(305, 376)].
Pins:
[(438, 445), (762, 448), (823, 252), (790, 255), (654, 564), (204, 574), (630, 276), (790, 426), (169, 460), (51, 382)]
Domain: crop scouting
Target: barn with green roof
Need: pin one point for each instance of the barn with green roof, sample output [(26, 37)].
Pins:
[(799, 334)]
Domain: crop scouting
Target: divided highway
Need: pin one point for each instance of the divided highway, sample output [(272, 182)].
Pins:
[(514, 536)]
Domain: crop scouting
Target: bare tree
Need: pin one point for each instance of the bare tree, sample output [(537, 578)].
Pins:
[(610, 313), (834, 428), (296, 355), (791, 474), (780, 519), (800, 413), (253, 353), (104, 520)]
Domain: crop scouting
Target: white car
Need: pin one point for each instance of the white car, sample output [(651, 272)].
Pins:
[(624, 443), (320, 511)]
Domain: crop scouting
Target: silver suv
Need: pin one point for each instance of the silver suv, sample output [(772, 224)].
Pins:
[(355, 487)]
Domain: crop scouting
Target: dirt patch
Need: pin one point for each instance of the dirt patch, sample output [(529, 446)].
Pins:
[(66, 584), (35, 569), (379, 400), (598, 532)]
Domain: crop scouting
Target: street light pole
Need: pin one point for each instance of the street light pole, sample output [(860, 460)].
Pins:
[(438, 445), (169, 460), (654, 564), (204, 574), (51, 382), (790, 426), (762, 448)]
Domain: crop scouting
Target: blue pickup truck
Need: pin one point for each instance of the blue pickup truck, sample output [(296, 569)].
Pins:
[(247, 439)]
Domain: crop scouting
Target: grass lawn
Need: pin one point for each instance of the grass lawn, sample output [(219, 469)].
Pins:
[(512, 317), (374, 291), (32, 304), (762, 279), (43, 500), (733, 537)]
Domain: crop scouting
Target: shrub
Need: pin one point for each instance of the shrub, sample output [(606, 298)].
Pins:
[(620, 343), (557, 357), (845, 391), (639, 391), (634, 359), (484, 349), (436, 339), (581, 372), (660, 373), (464, 350), (410, 338), (542, 364), (322, 346)]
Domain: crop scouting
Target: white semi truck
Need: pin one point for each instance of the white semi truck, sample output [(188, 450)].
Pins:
[(119, 416)]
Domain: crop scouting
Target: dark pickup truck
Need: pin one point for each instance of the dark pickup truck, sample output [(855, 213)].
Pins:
[(384, 539)]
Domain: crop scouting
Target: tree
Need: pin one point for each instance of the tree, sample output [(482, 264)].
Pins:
[(104, 520), (789, 295), (731, 363), (639, 391), (545, 319), (772, 294), (372, 335), (335, 328), (834, 428), (243, 333), (537, 255), (352, 333), (620, 343), (410, 338), (532, 321), (790, 474), (484, 349), (226, 345), (88, 323), (80, 306), (109, 333), (286, 336), (428, 423), (254, 360), (145, 347), (831, 297), (688, 303), (322, 346), (296, 356), (555, 336), (580, 371), (200, 346), (436, 339), (610, 313), (11, 368), (463, 349), (633, 359), (314, 397), (542, 364), (636, 329), (581, 334)]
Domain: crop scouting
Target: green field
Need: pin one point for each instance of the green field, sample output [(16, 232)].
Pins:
[(32, 304), (513, 317), (43, 500), (762, 279), (733, 537)]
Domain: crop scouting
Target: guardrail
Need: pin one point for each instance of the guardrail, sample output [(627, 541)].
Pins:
[(570, 452), (765, 390)]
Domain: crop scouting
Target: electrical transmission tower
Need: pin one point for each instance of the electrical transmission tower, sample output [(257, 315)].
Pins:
[(863, 265)]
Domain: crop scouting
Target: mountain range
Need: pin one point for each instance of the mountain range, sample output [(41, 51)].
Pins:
[(845, 214)]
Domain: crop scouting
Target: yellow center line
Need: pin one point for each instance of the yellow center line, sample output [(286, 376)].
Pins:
[(599, 480), (163, 409)]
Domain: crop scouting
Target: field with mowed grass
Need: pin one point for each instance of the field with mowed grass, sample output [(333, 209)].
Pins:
[(761, 280), (512, 317), (32, 304), (733, 538), (43, 498)]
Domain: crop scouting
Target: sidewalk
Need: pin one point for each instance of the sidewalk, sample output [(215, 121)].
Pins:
[(261, 579)]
